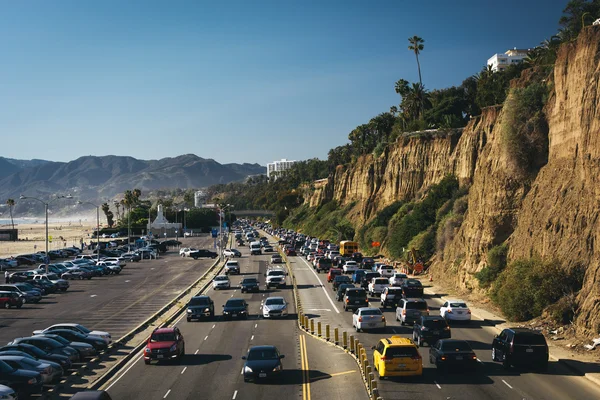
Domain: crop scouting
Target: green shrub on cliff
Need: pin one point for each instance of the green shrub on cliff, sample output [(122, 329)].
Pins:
[(496, 262)]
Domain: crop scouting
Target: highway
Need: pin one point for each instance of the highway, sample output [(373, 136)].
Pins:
[(112, 303), (212, 366), (490, 382)]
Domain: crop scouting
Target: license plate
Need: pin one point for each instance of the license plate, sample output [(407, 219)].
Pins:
[(529, 351), (401, 365), (417, 314), (459, 358), (371, 325), (160, 356), (357, 302), (235, 315), (460, 313), (262, 375), (436, 332)]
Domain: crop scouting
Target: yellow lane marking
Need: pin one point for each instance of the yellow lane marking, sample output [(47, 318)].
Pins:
[(305, 369)]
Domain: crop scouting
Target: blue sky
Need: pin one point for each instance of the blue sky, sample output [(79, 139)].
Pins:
[(236, 81)]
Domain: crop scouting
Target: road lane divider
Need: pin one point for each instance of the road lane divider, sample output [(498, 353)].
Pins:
[(305, 369)]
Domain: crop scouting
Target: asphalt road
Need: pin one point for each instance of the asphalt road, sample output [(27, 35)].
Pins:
[(112, 303), (491, 381), (212, 367)]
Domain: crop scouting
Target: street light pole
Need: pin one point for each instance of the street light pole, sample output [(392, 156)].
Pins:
[(97, 227), (46, 204)]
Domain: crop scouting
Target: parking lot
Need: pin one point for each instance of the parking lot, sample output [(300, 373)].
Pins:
[(113, 303)]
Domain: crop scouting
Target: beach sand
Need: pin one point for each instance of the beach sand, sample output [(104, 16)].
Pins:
[(32, 237)]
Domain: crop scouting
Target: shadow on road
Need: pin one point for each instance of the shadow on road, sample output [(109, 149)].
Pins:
[(203, 359)]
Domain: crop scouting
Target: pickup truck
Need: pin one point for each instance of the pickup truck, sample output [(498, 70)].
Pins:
[(391, 296)]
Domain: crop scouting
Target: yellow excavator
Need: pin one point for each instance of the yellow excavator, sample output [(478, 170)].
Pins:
[(415, 263)]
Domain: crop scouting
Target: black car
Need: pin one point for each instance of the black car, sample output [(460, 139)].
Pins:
[(73, 336), (24, 382), (367, 263), (39, 354), (430, 329), (412, 288), (262, 362), (340, 279), (324, 264), (452, 353), (355, 298), (49, 346), (520, 347), (203, 253), (200, 307), (235, 308), (249, 285), (342, 290), (92, 395), (367, 278)]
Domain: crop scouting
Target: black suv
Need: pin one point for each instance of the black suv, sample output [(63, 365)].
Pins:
[(200, 307), (249, 285), (520, 346), (324, 264), (355, 298), (430, 329), (203, 253), (412, 288)]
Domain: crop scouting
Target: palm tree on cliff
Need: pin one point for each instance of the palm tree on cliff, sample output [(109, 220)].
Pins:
[(11, 203), (416, 45)]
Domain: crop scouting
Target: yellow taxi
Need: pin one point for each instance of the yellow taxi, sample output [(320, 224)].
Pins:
[(397, 356)]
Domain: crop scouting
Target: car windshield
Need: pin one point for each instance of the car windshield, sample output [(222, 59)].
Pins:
[(163, 337), (370, 312), (5, 368), (83, 329), (270, 302), (262, 354), (234, 303), (356, 293), (416, 305), (529, 339), (381, 281), (456, 346), (276, 273), (412, 282), (458, 305), (221, 278), (24, 286), (435, 323), (249, 280), (60, 339), (401, 352), (39, 353), (396, 291), (198, 302), (28, 362)]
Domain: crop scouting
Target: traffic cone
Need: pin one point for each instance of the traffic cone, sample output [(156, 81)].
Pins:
[(430, 278)]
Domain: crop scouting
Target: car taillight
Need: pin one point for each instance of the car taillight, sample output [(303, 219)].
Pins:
[(468, 311), (443, 358), (347, 300), (449, 311), (359, 319), (474, 357), (403, 312), (384, 358)]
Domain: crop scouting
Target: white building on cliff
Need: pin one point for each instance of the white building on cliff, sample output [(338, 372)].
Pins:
[(501, 61), (277, 167)]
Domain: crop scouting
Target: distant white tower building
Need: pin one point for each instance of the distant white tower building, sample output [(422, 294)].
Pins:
[(161, 222), (199, 198), (277, 167)]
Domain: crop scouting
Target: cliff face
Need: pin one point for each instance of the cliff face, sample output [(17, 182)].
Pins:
[(408, 167)]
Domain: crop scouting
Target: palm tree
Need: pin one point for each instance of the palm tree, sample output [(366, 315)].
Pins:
[(118, 206), (11, 203), (416, 45)]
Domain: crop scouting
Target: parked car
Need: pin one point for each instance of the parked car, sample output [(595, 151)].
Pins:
[(7, 393), (367, 318), (38, 354), (84, 350), (78, 328), (164, 344), (430, 329), (455, 310), (341, 291), (29, 295), (452, 353), (77, 273), (73, 336), (11, 299), (46, 371), (249, 285), (61, 284), (24, 260), (20, 276), (49, 346), (397, 356), (410, 310), (521, 347), (262, 362), (274, 307), (23, 381), (355, 298), (221, 282), (200, 307), (235, 308), (390, 296)]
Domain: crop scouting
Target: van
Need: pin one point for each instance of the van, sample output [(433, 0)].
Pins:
[(397, 356), (255, 249), (410, 310)]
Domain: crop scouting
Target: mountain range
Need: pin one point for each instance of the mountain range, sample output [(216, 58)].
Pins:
[(94, 177)]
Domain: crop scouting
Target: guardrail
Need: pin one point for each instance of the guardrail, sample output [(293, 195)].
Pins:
[(348, 344)]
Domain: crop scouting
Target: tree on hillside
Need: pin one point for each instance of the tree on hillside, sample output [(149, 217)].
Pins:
[(11, 203), (416, 45), (576, 14)]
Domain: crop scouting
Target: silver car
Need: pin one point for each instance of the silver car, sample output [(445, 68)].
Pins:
[(410, 310), (7, 393), (274, 307), (47, 372), (366, 318), (221, 282)]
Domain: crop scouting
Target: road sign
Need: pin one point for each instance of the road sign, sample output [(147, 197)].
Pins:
[(215, 232)]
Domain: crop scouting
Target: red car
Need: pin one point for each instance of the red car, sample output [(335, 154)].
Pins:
[(332, 274), (290, 251), (10, 299), (165, 344)]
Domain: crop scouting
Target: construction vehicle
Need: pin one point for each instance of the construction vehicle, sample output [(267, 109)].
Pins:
[(415, 262)]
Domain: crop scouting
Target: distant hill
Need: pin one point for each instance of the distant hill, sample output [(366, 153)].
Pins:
[(106, 176)]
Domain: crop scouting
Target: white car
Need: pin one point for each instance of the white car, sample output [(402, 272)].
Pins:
[(377, 285), (398, 278), (221, 282), (455, 310), (368, 318), (274, 307), (185, 252), (77, 328), (350, 266), (386, 271), (232, 253)]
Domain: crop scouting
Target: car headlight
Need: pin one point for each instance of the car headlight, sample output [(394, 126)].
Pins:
[(277, 368), (188, 310), (207, 309), (265, 308), (173, 348), (247, 370)]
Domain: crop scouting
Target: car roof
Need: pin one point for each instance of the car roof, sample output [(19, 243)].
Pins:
[(455, 301), (164, 330), (525, 331), (398, 341), (369, 308), (275, 297), (201, 297), (263, 347)]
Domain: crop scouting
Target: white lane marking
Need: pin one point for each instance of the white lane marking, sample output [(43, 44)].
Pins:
[(324, 290), (213, 327), (393, 330), (320, 309), (506, 383), (255, 325), (166, 394), (183, 370), (234, 395), (242, 373), (206, 338), (127, 281), (127, 370), (436, 384), (252, 337), (196, 351), (151, 268), (478, 360), (263, 295), (93, 295), (235, 291)]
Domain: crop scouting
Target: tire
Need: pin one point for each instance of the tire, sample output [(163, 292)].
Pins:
[(356, 329), (80, 277), (6, 305), (19, 305), (506, 363), (63, 290), (147, 362), (189, 319)]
